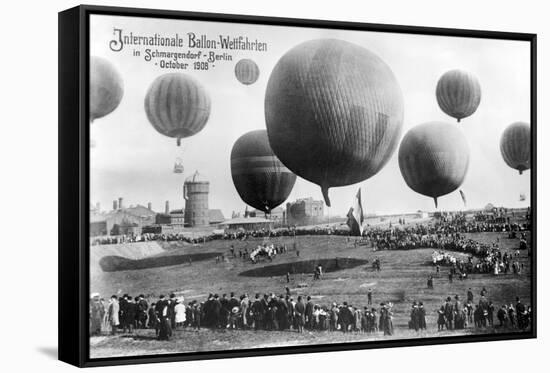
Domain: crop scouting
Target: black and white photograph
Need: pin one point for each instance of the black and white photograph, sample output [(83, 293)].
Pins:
[(256, 186)]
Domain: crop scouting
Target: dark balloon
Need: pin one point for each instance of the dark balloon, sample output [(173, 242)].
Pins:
[(106, 88), (334, 112), (434, 158), (177, 105), (458, 94), (246, 71), (261, 180), (515, 146)]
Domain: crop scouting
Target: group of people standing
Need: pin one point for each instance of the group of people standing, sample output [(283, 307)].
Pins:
[(454, 314), (264, 312)]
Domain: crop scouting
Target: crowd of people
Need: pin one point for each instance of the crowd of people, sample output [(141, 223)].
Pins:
[(284, 313), (454, 314), (264, 312)]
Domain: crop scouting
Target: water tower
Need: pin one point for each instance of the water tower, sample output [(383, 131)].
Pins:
[(195, 193)]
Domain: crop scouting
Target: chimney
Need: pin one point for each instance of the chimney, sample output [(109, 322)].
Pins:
[(98, 207), (150, 206), (115, 205), (167, 207), (120, 203)]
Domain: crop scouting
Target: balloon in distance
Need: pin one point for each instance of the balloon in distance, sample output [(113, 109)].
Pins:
[(334, 112), (106, 88), (246, 71), (515, 146), (260, 178), (177, 105), (434, 158), (458, 94)]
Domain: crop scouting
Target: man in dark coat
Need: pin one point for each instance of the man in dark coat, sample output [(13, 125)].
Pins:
[(299, 314), (309, 313), (152, 321), (142, 306), (414, 323), (258, 312), (217, 321), (272, 321), (131, 311), (345, 316), (122, 313), (282, 313), (521, 314), (449, 312), (165, 327), (265, 309), (172, 310)]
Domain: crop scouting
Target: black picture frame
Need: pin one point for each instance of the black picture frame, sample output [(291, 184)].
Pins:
[(74, 181)]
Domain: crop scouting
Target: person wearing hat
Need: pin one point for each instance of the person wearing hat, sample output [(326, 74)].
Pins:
[(152, 321), (180, 312), (130, 315), (172, 311), (414, 322), (282, 313), (309, 313), (165, 326), (345, 317), (258, 312), (97, 311), (123, 305), (113, 314), (217, 321), (142, 307)]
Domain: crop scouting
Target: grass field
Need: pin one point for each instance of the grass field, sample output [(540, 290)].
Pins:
[(401, 281)]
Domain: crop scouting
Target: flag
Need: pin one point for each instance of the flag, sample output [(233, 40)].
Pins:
[(463, 196), (355, 216)]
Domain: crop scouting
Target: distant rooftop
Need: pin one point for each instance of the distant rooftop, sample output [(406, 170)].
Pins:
[(256, 220)]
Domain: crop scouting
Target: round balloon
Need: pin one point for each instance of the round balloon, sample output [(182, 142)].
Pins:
[(458, 94), (177, 105), (246, 71), (260, 178), (106, 88), (334, 112), (434, 159), (515, 146)]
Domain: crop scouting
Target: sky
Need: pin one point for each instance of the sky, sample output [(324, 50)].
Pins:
[(131, 160)]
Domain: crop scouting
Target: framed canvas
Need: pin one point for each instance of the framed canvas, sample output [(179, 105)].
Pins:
[(238, 185)]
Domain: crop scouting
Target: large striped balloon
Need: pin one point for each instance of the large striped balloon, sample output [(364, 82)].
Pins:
[(334, 112), (246, 71), (458, 94), (515, 146), (434, 158), (261, 180), (106, 88), (177, 105)]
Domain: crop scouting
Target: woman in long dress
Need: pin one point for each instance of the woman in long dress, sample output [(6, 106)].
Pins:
[(180, 313)]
